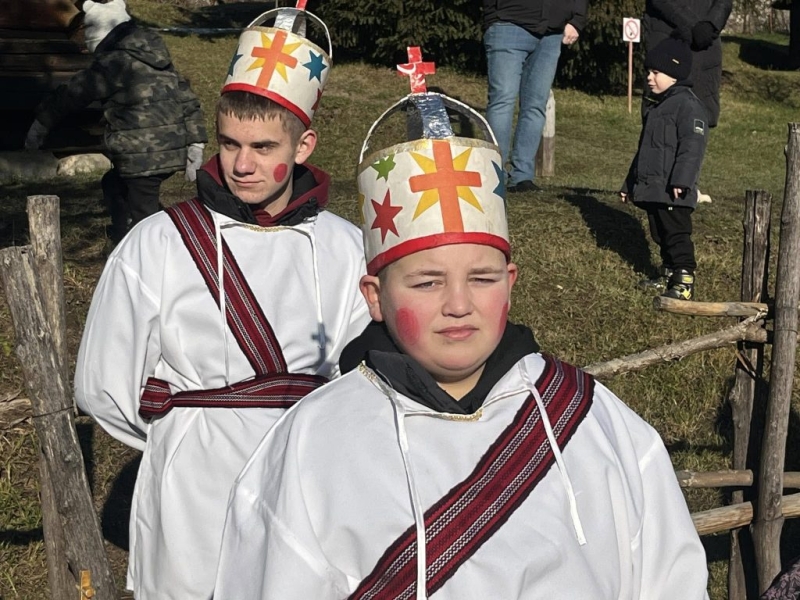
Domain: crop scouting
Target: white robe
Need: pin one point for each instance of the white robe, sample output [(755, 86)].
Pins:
[(153, 315), (327, 492)]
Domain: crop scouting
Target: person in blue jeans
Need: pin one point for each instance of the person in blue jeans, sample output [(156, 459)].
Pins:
[(523, 42)]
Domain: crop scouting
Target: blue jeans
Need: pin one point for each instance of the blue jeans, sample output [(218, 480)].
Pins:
[(520, 64)]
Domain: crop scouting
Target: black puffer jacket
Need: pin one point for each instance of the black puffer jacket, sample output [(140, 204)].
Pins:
[(671, 149), (537, 16), (151, 113), (663, 16)]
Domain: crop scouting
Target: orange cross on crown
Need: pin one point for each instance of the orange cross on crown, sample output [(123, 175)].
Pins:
[(270, 57), (415, 69), (446, 181)]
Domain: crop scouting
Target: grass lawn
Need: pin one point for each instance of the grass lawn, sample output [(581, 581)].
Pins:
[(579, 250)]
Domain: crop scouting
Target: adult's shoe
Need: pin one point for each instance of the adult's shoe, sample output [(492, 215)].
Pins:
[(524, 186)]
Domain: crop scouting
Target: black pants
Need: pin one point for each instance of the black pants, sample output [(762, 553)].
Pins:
[(129, 200), (671, 229)]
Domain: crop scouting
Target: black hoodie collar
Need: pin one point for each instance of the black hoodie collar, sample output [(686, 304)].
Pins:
[(405, 375), (309, 195)]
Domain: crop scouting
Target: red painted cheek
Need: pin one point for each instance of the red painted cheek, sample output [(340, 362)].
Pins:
[(407, 327), (503, 318), (280, 172)]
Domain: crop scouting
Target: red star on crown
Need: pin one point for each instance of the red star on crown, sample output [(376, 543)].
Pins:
[(384, 216)]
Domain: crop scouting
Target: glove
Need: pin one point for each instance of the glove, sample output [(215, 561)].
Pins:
[(703, 35), (35, 136), (194, 160)]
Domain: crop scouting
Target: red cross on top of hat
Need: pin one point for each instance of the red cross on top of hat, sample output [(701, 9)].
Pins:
[(416, 69)]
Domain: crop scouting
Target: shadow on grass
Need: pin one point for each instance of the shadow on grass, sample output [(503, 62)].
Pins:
[(614, 229), (116, 511), (117, 508), (763, 54), (15, 537)]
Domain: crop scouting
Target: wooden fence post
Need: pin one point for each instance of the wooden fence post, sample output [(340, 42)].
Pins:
[(769, 518), (750, 364), (546, 154), (31, 296)]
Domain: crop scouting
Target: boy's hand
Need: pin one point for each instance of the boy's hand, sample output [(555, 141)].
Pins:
[(624, 197), (677, 192)]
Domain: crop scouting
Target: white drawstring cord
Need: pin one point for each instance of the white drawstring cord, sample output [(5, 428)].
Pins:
[(318, 290), (562, 468), (222, 306), (419, 515)]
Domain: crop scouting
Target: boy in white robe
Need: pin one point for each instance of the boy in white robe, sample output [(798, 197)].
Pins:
[(453, 461), (213, 317)]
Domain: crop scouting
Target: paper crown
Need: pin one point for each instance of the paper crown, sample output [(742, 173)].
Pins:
[(435, 189), (280, 63)]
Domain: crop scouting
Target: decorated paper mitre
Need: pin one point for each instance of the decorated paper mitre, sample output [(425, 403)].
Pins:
[(434, 189), (280, 62)]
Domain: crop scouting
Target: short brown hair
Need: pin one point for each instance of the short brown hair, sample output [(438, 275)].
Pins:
[(249, 107)]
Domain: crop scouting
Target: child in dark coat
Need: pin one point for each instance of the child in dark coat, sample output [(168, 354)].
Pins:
[(662, 179)]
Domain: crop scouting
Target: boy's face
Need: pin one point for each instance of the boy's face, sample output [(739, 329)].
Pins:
[(445, 307), (257, 158), (659, 82)]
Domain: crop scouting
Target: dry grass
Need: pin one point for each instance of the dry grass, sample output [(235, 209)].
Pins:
[(579, 250)]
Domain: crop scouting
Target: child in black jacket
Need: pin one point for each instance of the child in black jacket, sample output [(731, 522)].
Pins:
[(662, 179)]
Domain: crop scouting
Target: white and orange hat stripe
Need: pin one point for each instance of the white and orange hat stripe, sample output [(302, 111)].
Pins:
[(280, 63), (437, 190)]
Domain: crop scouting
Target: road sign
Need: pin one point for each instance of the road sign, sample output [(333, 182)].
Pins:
[(631, 30)]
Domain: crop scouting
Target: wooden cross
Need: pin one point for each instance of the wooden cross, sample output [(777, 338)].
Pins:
[(415, 69)]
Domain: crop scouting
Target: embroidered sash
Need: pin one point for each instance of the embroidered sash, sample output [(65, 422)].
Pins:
[(272, 387), (458, 524)]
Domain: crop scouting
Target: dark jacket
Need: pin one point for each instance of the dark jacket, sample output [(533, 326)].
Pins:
[(151, 113), (663, 16), (537, 16), (671, 149)]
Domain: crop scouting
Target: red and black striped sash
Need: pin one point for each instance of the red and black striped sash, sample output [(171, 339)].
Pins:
[(458, 524), (273, 386), (280, 390)]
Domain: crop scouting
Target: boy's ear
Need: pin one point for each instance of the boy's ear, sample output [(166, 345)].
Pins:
[(513, 273), (305, 146), (370, 287)]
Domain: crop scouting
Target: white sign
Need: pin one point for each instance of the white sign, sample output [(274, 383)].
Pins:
[(631, 30)]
